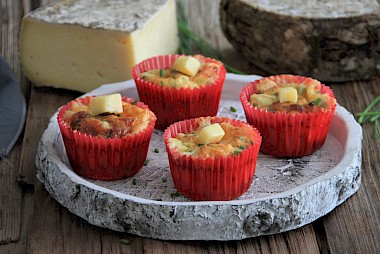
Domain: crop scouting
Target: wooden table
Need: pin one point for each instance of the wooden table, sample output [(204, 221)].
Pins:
[(32, 222)]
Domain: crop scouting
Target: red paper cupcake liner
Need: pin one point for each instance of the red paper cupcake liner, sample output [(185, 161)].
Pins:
[(170, 104), (288, 135), (105, 159), (218, 178)]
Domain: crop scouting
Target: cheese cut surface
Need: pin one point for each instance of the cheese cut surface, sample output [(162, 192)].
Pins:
[(82, 44)]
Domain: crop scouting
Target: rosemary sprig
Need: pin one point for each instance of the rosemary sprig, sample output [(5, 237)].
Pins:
[(363, 114), (371, 116), (188, 38)]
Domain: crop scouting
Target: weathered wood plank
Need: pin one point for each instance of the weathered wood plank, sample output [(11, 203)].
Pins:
[(288, 242), (10, 198), (43, 104), (355, 225)]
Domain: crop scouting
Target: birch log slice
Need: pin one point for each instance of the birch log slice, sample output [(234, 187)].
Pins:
[(332, 41), (285, 194)]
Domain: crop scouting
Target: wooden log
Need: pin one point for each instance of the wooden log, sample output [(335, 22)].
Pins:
[(330, 41)]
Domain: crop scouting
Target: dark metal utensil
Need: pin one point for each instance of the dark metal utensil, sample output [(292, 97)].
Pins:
[(12, 109)]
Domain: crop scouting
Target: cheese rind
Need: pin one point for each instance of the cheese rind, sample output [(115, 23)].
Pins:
[(82, 44), (111, 103)]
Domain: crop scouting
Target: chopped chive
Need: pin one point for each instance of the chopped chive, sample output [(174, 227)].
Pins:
[(175, 194), (125, 241), (200, 144), (236, 152), (164, 180), (233, 109), (134, 102), (134, 181), (161, 72), (317, 101), (146, 162), (242, 147), (156, 150)]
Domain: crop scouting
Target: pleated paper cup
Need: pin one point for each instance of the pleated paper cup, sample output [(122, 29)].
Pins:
[(171, 104), (105, 159), (286, 134), (214, 178)]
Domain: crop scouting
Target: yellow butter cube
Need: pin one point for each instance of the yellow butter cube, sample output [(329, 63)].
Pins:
[(111, 103), (211, 134), (287, 94), (187, 65)]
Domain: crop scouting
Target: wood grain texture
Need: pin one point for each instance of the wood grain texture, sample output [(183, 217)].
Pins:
[(43, 226), (10, 200), (324, 45)]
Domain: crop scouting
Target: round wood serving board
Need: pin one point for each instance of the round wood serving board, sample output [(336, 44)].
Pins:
[(285, 193)]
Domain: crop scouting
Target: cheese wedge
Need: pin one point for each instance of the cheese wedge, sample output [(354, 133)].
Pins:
[(81, 44), (287, 94), (111, 103), (211, 134), (187, 65)]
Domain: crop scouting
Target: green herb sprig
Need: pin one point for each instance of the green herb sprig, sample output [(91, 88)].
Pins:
[(371, 116), (188, 38), (126, 241)]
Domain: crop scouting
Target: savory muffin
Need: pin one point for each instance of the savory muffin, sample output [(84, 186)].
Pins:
[(106, 137), (292, 113), (212, 158), (178, 87)]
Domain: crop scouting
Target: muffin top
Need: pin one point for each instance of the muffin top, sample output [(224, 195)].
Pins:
[(281, 94), (187, 72), (213, 140), (107, 118)]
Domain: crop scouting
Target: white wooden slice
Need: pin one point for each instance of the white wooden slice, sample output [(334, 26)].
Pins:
[(285, 194)]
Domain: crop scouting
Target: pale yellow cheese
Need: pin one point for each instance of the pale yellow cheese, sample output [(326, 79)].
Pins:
[(82, 44), (211, 134), (287, 94), (110, 103), (187, 65)]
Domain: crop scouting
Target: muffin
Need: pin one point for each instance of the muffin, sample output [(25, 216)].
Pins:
[(212, 158), (179, 87), (106, 137), (292, 113)]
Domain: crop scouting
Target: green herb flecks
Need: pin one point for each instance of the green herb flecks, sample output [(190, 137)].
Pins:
[(200, 144), (164, 179), (134, 181), (156, 150), (175, 194), (371, 114), (125, 241), (146, 162), (191, 43), (134, 102), (317, 101), (161, 72), (233, 109), (237, 152)]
